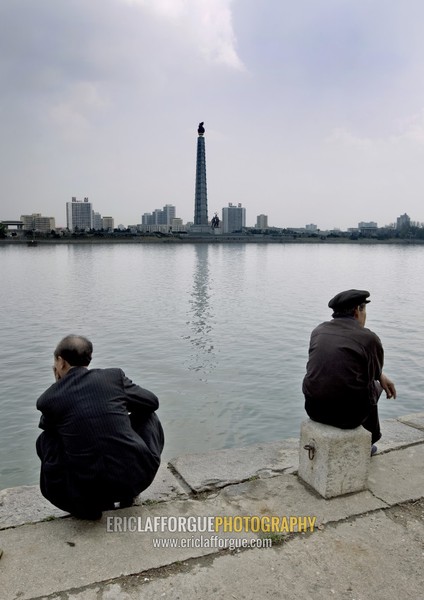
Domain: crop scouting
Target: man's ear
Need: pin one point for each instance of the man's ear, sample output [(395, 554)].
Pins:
[(356, 312), (62, 365)]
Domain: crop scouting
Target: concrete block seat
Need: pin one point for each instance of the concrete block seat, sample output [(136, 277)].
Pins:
[(334, 461)]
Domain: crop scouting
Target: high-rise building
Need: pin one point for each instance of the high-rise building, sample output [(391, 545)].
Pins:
[(160, 216), (108, 223), (403, 221), (201, 223), (147, 219), (168, 213), (262, 222), (38, 223), (177, 224), (233, 218), (97, 221), (79, 214), (28, 222)]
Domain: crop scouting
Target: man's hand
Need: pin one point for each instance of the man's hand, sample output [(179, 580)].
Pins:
[(388, 386)]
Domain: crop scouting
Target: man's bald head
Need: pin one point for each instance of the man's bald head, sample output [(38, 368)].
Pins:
[(76, 350)]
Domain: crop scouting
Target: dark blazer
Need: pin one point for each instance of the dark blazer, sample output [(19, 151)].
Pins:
[(345, 360), (102, 439)]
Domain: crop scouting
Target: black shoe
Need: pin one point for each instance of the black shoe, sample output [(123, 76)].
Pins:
[(88, 515), (126, 502), (373, 449)]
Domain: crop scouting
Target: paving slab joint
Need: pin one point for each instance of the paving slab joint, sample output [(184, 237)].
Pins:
[(184, 484), (271, 472), (382, 451), (380, 500), (404, 420), (356, 516), (411, 425)]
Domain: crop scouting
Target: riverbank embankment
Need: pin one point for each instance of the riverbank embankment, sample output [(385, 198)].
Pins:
[(171, 543), (204, 239)]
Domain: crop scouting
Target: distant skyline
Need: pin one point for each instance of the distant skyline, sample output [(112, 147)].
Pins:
[(314, 112), (249, 223)]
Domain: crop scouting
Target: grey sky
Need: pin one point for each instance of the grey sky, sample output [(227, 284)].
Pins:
[(313, 110)]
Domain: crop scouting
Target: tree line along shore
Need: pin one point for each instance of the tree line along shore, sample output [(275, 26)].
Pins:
[(404, 235)]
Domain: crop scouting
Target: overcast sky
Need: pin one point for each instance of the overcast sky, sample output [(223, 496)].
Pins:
[(313, 110)]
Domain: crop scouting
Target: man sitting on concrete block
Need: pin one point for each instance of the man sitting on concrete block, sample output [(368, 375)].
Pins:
[(344, 375), (102, 439)]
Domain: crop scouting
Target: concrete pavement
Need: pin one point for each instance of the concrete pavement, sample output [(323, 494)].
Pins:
[(368, 545)]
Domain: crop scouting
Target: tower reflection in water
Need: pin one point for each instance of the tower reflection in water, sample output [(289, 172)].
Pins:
[(201, 318)]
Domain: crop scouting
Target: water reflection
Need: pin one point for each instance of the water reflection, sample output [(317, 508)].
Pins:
[(219, 332), (200, 315)]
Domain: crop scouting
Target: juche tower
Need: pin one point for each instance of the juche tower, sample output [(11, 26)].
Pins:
[(201, 223)]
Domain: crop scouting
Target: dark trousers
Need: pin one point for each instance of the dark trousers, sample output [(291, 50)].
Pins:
[(345, 418), (86, 496), (372, 424)]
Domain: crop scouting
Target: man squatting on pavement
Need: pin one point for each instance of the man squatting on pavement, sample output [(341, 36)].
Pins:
[(344, 375), (102, 439)]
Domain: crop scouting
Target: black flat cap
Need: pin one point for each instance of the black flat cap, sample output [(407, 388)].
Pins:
[(349, 299)]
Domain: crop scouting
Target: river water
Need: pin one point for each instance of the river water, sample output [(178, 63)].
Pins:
[(219, 332)]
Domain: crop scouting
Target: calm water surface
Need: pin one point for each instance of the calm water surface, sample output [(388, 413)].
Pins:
[(219, 332)]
